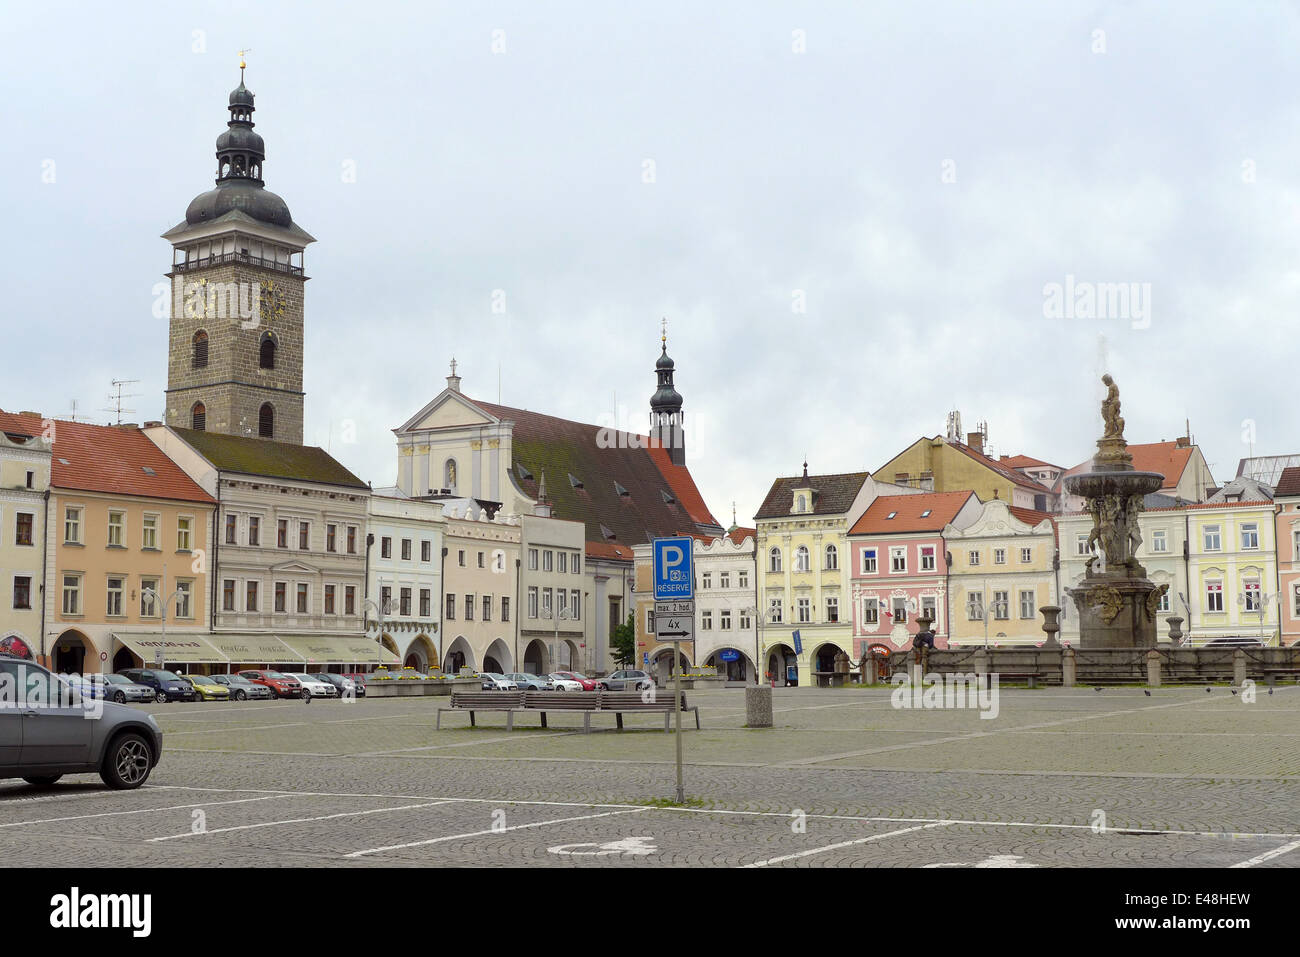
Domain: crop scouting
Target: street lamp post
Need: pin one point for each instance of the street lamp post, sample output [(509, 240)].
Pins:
[(1261, 601), (162, 615), (379, 633), (563, 613)]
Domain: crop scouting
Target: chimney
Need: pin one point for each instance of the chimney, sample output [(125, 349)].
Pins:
[(153, 424), (1183, 442), (129, 426), (976, 441)]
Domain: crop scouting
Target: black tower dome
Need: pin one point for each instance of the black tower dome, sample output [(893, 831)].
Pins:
[(240, 155), (666, 418)]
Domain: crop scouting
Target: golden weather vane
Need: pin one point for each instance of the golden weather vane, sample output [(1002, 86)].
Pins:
[(242, 64)]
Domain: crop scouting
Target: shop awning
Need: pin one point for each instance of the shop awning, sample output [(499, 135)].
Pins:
[(254, 649), (339, 649), (178, 648)]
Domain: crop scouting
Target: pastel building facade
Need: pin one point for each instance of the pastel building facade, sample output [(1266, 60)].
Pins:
[(480, 608), (1001, 574), (899, 568), (1232, 571), (406, 539), (25, 453), (1287, 520)]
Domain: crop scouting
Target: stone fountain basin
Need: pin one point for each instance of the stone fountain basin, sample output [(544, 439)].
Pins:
[(1099, 484)]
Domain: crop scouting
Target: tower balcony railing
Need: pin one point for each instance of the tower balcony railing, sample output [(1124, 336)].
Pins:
[(218, 259)]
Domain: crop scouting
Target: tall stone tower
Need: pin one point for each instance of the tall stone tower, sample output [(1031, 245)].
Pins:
[(235, 349), (666, 416)]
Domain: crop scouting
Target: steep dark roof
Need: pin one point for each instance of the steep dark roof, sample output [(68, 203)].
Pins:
[(1289, 483), (661, 497), (835, 493), (280, 460)]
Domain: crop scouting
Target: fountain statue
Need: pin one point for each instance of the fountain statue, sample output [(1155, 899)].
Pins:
[(1117, 602)]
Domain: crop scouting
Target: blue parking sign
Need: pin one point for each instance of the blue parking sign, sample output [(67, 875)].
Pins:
[(674, 574)]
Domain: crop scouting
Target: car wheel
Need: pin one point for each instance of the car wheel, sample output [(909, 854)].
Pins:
[(160, 696), (43, 781), (241, 695), (601, 686), (306, 694), (127, 762), (119, 697)]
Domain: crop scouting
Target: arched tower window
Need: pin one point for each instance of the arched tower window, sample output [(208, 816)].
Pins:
[(266, 421), (267, 356), (199, 417), (200, 357)]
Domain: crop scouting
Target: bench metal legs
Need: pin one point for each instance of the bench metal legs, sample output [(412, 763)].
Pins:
[(471, 719), (510, 720), (586, 722), (543, 719)]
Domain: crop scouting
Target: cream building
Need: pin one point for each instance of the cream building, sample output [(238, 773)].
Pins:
[(556, 597), (405, 539), (481, 578), (24, 479), (1232, 571)]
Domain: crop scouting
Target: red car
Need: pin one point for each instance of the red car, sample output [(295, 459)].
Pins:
[(282, 685), (588, 684)]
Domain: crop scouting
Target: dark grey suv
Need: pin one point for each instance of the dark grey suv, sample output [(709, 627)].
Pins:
[(48, 730)]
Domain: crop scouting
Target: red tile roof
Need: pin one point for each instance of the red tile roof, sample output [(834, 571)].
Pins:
[(1030, 516), (1024, 462), (907, 511), (1289, 482), (608, 550), (105, 458)]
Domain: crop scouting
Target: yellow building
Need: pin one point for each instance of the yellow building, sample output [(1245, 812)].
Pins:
[(1000, 575), (24, 478), (1232, 571), (948, 465), (126, 554)]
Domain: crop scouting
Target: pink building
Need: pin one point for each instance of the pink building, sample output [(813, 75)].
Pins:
[(1286, 498), (899, 568)]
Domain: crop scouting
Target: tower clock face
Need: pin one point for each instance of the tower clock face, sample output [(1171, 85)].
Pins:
[(272, 302)]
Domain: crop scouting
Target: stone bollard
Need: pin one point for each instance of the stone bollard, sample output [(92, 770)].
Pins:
[(1153, 669), (758, 706), (1238, 667), (871, 667), (981, 659), (1069, 672)]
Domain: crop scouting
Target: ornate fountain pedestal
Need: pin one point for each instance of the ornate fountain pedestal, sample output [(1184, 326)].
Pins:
[(1116, 602)]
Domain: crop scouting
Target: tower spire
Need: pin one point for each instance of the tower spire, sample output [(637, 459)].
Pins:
[(666, 406)]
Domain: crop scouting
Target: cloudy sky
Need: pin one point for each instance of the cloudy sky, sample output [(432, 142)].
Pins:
[(848, 212)]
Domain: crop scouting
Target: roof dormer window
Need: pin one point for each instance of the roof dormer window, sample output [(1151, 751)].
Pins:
[(890, 515), (575, 481), (624, 493)]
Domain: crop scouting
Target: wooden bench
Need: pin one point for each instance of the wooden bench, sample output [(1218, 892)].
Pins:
[(544, 701), (633, 702), (1271, 675), (472, 701), (1030, 677)]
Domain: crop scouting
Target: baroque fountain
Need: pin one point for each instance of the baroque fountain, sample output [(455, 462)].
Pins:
[(1116, 601)]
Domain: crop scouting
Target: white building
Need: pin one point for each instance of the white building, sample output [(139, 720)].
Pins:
[(405, 539)]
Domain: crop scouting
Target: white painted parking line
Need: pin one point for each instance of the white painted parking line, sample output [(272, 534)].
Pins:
[(147, 810), (835, 847), (1269, 855), (502, 830), (459, 744), (297, 820)]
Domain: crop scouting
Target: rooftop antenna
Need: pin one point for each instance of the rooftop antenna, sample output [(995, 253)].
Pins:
[(72, 416), (117, 397)]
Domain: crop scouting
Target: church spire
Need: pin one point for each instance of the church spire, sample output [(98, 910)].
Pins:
[(666, 418)]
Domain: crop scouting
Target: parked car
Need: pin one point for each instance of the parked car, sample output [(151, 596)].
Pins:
[(166, 685), (52, 733), (492, 681), (588, 684), (314, 685), (527, 682), (343, 685), (241, 689), (358, 678), (562, 683), (626, 681), (207, 689), (283, 685), (117, 688)]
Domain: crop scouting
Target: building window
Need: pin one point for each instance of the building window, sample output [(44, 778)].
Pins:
[(1253, 603), (801, 563), (266, 421), (282, 533), (649, 621), (349, 599), (547, 604), (548, 560), (1210, 536), (974, 557), (116, 526), (426, 550), (1026, 604), (460, 557), (232, 530), (228, 594), (706, 580), (832, 610), (184, 608), (449, 611), (406, 549), (266, 356), (575, 605), (1163, 604), (23, 529), (999, 556), (487, 607), (199, 417), (469, 607), (352, 539), (113, 607), (804, 607), (724, 579), (404, 603), (927, 558), (1250, 535), (480, 560), (1001, 606), (743, 581), (250, 596), (331, 538), (1081, 545), (329, 599), (928, 610), (426, 602), (577, 563), (199, 353), (745, 622), (706, 621), (563, 559), (386, 601), (1214, 596), (22, 591), (975, 606), (304, 533), (775, 610), (281, 593), (900, 611), (898, 559), (254, 530), (724, 619), (1159, 543), (871, 611), (774, 560), (505, 608), (868, 561), (302, 598), (184, 540), (532, 559), (532, 601), (832, 558), (148, 598), (72, 526)]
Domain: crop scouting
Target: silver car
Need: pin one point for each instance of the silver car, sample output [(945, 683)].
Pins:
[(497, 682), (626, 681), (48, 729), (527, 682)]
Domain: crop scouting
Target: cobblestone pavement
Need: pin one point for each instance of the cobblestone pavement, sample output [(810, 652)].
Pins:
[(1059, 778)]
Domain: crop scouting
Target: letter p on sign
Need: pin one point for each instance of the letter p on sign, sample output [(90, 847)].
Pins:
[(673, 574)]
